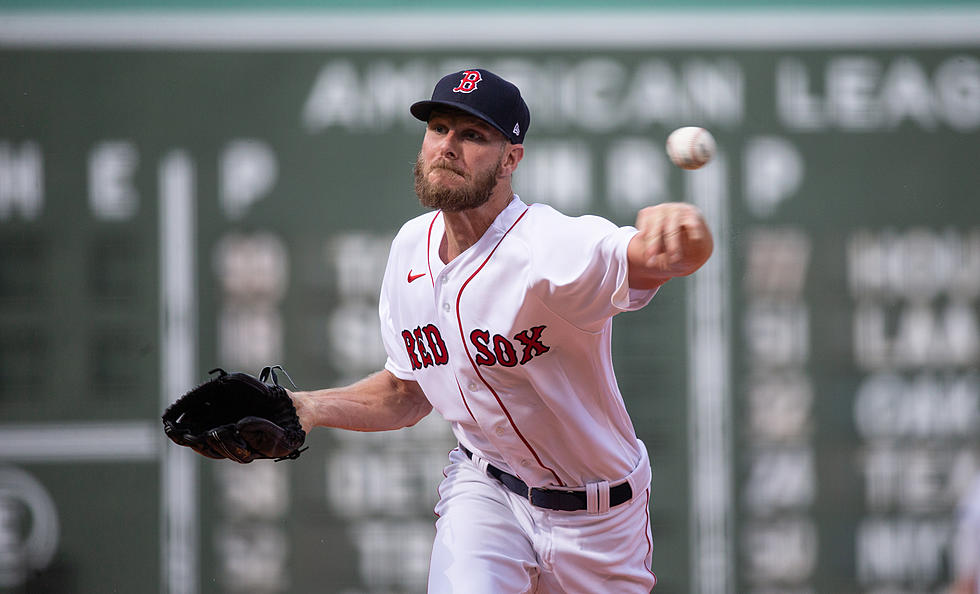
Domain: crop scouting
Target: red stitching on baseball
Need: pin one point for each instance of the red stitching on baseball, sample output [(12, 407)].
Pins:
[(690, 150)]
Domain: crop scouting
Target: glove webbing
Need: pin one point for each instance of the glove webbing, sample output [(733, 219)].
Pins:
[(263, 376), (267, 371)]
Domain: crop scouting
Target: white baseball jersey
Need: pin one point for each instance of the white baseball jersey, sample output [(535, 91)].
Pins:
[(510, 341)]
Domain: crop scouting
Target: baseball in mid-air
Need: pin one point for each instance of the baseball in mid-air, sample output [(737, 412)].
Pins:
[(690, 147)]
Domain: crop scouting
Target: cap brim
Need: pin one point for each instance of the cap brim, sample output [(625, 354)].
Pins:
[(423, 109)]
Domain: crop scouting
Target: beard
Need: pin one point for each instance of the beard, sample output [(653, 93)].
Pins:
[(475, 193)]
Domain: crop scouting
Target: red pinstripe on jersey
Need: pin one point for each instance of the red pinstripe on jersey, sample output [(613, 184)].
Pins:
[(463, 396), (463, 337), (428, 248), (649, 542), (428, 261)]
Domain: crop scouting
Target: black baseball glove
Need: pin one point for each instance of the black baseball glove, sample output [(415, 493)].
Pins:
[(237, 416)]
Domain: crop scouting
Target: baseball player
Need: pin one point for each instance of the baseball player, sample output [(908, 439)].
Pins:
[(965, 545), (497, 313)]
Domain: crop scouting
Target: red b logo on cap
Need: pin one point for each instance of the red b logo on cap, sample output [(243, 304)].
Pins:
[(468, 83)]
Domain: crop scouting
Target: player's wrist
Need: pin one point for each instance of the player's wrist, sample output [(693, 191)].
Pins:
[(305, 409)]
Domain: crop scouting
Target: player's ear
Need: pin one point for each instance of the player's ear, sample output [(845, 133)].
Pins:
[(512, 156)]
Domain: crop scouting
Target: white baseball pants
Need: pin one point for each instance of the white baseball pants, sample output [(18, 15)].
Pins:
[(492, 541)]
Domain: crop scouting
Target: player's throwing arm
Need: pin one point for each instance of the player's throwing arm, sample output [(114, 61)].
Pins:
[(672, 240)]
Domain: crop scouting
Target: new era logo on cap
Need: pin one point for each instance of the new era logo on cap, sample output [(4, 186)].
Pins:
[(484, 94)]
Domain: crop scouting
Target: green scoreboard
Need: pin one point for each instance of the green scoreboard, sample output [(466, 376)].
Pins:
[(184, 193)]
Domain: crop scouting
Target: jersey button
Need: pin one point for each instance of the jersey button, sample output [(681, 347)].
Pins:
[(472, 387), (525, 462), (445, 307), (501, 431)]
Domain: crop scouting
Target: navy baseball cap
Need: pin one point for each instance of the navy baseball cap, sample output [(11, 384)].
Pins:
[(483, 94)]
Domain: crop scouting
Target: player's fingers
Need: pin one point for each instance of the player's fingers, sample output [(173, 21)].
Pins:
[(673, 237), (693, 225), (654, 237)]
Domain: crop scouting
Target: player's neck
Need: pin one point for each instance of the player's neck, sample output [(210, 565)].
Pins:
[(466, 227)]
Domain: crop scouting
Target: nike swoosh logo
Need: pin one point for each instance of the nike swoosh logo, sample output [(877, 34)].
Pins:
[(412, 277)]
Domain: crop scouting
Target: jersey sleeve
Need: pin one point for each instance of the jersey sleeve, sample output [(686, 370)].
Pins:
[(625, 298), (584, 272), (398, 362)]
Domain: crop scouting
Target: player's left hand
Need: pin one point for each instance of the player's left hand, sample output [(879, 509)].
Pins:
[(237, 416), (673, 240)]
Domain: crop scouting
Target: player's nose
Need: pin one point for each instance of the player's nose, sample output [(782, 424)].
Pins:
[(449, 145)]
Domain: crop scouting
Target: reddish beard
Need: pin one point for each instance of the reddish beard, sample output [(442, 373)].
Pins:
[(473, 194)]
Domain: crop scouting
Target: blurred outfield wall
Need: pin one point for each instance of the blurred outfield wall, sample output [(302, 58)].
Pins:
[(185, 186)]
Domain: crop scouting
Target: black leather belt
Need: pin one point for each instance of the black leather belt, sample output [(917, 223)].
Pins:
[(557, 499)]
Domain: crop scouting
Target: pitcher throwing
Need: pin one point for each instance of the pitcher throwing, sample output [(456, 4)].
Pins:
[(497, 313)]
